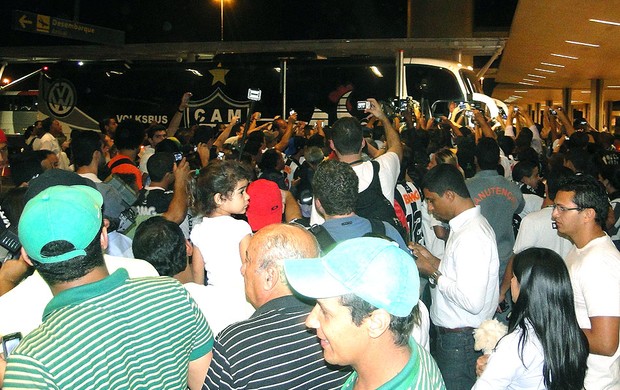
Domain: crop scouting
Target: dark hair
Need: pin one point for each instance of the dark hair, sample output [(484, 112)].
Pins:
[(347, 135), (161, 243), (555, 177), (152, 129), (169, 146), (46, 124), (254, 142), (129, 134), (612, 174), (105, 122), (335, 185), (589, 193), (159, 164), (507, 144), (445, 177), (523, 169), (203, 133), (546, 302), (83, 145), (316, 140), (219, 177), (24, 166), (400, 327), (269, 159), (487, 154), (72, 269), (582, 161)]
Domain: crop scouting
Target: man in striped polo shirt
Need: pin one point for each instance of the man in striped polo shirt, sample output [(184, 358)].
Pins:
[(367, 289), (273, 348), (101, 331)]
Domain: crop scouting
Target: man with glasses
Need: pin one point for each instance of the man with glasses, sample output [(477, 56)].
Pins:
[(579, 211)]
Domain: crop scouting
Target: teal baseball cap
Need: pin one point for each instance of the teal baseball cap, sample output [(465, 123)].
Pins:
[(67, 213), (374, 269)]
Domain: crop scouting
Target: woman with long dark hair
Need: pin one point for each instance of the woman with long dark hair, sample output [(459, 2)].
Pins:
[(544, 347)]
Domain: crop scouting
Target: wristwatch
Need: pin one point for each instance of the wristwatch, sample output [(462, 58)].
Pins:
[(432, 279)]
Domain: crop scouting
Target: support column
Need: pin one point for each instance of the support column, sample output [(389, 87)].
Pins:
[(538, 117), (596, 104), (566, 104)]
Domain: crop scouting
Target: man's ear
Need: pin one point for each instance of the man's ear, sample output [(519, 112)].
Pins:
[(103, 238), (378, 323), (331, 145), (189, 248), (270, 278), (449, 195), (590, 214), (25, 257)]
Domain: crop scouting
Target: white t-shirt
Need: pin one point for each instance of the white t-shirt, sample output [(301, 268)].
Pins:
[(21, 309), (505, 370), (388, 175), (218, 240), (595, 277), (537, 231), (532, 203)]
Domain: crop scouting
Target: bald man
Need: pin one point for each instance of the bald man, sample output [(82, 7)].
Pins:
[(273, 347)]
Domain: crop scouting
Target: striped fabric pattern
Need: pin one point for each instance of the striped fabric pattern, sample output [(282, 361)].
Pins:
[(117, 333), (272, 350)]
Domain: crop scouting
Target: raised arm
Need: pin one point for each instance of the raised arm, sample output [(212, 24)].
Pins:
[(177, 210), (392, 139), (283, 144), (219, 142), (173, 126)]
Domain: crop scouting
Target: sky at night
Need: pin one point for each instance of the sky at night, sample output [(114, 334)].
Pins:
[(147, 21)]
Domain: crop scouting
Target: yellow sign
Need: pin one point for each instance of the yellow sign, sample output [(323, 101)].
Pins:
[(43, 23)]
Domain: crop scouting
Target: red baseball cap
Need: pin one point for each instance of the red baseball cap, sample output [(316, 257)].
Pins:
[(265, 206)]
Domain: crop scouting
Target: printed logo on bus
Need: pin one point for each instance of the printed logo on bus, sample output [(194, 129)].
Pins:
[(61, 98)]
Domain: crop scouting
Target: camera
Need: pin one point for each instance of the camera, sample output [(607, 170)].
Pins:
[(220, 155), (515, 109), (178, 157), (363, 105), (553, 112), (10, 342)]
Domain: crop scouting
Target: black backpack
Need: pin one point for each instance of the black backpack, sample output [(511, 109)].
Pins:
[(372, 204)]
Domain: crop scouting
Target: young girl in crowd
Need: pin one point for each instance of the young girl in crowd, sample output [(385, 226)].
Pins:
[(544, 347), (220, 193)]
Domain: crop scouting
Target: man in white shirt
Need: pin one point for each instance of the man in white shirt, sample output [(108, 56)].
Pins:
[(580, 212), (49, 142), (465, 281)]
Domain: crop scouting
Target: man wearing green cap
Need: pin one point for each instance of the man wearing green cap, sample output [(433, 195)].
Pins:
[(101, 331), (367, 290)]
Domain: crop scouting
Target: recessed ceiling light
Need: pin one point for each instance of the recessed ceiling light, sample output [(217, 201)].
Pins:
[(605, 22), (537, 76), (521, 91), (550, 64), (518, 97), (576, 101), (545, 70), (532, 81), (524, 83), (583, 43), (564, 56)]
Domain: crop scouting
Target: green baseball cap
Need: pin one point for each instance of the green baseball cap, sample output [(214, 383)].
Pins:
[(374, 269), (67, 213)]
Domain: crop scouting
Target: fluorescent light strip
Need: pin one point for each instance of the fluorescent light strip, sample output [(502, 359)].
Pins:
[(524, 83), (583, 43), (537, 76), (376, 71), (564, 56), (605, 22), (550, 64), (586, 91), (545, 70), (613, 86), (522, 91), (532, 81)]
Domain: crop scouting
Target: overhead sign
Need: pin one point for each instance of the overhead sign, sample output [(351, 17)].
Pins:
[(48, 25)]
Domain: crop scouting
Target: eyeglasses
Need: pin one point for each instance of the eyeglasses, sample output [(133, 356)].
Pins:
[(563, 209)]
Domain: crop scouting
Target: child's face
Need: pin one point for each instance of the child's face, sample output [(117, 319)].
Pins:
[(237, 202)]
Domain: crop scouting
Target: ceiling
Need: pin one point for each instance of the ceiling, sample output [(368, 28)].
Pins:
[(540, 29)]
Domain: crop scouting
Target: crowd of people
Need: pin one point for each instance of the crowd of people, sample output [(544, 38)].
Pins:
[(285, 255)]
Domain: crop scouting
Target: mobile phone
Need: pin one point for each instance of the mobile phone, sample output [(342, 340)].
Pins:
[(553, 112), (220, 155), (257, 115), (292, 112), (10, 342), (462, 106), (515, 109), (363, 105), (178, 157)]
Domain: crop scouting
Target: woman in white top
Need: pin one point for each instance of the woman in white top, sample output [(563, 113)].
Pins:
[(544, 347)]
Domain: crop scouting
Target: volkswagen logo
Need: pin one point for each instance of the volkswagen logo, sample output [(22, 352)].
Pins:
[(61, 98)]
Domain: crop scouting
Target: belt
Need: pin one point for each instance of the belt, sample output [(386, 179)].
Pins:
[(466, 329)]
